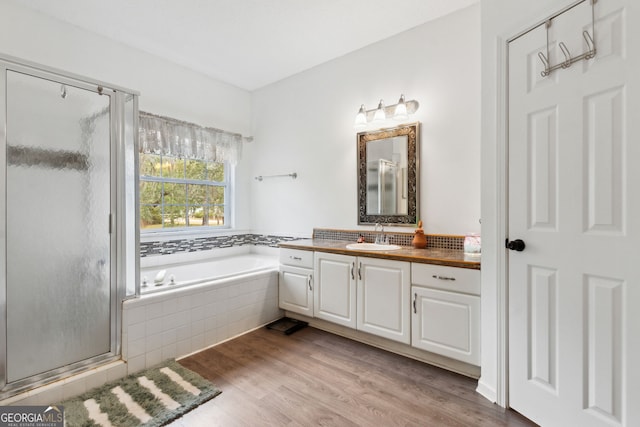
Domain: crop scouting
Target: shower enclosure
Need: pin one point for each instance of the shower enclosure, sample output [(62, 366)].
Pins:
[(67, 168)]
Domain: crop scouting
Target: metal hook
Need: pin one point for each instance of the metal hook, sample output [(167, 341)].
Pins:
[(590, 44), (567, 56), (545, 62)]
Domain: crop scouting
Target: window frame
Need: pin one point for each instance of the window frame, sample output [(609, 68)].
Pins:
[(226, 184)]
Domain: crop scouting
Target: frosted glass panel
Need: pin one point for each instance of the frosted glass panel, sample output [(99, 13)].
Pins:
[(58, 241), (131, 186)]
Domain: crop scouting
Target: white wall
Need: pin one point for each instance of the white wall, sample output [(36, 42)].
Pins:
[(166, 88), (501, 19), (305, 124)]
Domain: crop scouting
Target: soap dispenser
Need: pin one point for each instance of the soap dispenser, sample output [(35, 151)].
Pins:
[(419, 240)]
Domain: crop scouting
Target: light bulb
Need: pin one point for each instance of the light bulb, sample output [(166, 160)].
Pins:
[(361, 117), (401, 110), (380, 115)]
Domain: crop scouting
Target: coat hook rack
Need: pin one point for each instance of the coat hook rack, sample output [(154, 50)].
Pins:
[(568, 59), (293, 175)]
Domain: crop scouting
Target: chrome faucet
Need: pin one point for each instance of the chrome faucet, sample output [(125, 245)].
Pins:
[(381, 239)]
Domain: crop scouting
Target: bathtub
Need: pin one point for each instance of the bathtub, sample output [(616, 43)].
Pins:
[(172, 276)]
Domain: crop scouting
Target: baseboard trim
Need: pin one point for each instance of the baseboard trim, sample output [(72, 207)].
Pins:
[(487, 392)]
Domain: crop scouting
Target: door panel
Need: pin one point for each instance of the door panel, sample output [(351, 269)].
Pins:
[(604, 162), (542, 170), (603, 346), (543, 291), (573, 199)]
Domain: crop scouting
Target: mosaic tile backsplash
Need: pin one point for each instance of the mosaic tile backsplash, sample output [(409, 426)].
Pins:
[(435, 241), (206, 243)]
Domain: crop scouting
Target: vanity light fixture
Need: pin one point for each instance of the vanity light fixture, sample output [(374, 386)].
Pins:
[(399, 111)]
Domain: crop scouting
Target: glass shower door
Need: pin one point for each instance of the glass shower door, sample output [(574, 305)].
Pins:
[(59, 292)]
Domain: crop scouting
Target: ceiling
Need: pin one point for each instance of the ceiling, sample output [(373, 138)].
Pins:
[(247, 43)]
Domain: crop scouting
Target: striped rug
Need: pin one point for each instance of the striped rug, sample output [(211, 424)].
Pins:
[(153, 397)]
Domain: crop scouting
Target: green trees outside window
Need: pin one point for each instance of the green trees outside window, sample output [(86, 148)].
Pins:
[(179, 193)]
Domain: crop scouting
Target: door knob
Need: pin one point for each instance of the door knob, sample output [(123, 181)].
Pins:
[(515, 245)]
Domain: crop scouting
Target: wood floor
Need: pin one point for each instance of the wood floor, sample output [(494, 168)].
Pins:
[(316, 378)]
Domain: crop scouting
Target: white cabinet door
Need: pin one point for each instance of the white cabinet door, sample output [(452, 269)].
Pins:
[(335, 294), (296, 290), (383, 295), (446, 323)]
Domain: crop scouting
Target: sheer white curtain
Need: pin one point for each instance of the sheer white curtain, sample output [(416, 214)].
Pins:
[(171, 137)]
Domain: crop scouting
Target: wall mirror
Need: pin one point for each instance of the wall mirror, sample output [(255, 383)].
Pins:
[(388, 175)]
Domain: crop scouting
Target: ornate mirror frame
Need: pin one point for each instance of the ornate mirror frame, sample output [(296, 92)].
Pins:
[(412, 132)]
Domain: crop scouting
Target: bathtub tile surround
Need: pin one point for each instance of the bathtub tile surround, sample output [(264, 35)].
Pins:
[(207, 243), (434, 241), (178, 322)]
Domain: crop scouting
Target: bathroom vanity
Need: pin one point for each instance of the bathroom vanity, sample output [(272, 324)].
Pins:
[(423, 303)]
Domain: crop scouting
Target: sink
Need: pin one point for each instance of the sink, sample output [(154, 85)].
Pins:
[(372, 247)]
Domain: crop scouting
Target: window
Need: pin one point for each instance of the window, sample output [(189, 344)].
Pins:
[(185, 174), (179, 193)]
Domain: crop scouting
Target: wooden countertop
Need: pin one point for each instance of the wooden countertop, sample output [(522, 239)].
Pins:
[(447, 257)]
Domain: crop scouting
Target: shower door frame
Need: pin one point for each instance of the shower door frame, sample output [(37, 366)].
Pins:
[(118, 247)]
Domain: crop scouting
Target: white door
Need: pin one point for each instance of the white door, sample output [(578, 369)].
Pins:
[(383, 298), (334, 298), (574, 199)]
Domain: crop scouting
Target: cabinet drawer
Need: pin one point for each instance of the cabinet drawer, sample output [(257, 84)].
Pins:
[(446, 278), (296, 257)]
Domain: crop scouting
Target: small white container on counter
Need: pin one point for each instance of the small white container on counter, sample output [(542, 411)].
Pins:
[(472, 244)]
